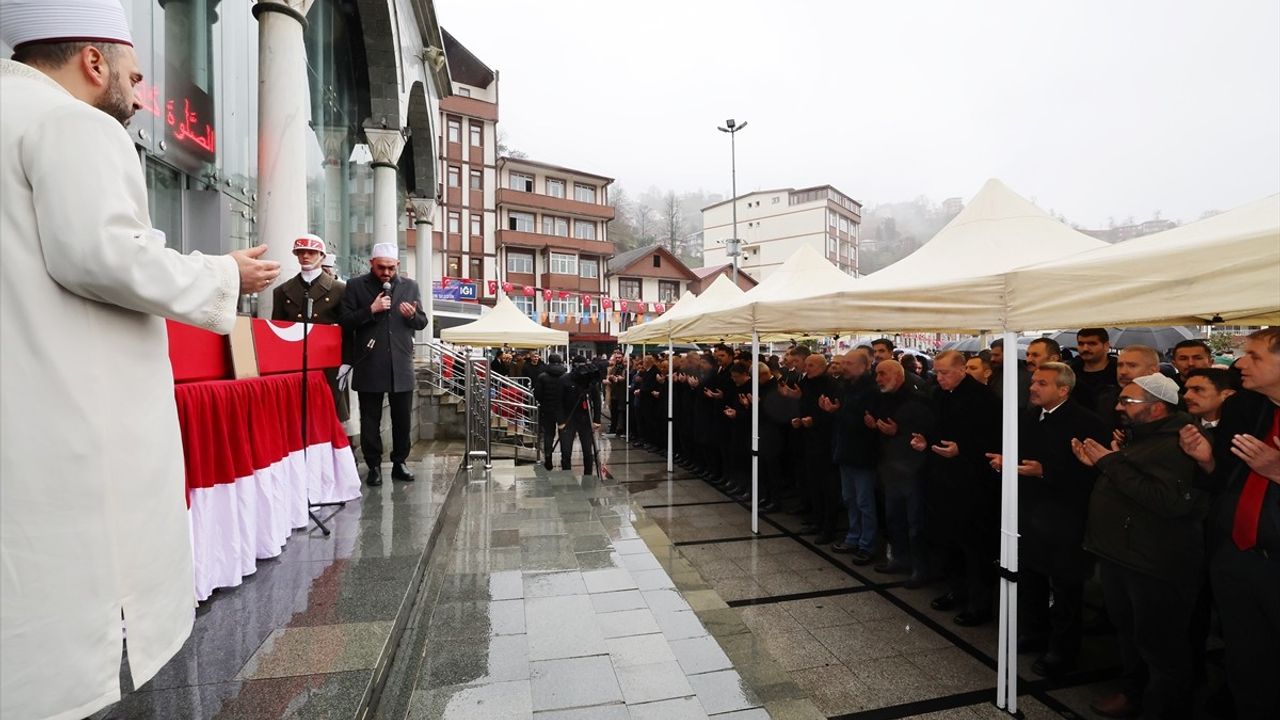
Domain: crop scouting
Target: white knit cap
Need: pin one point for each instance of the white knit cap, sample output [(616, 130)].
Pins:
[(330, 260), (387, 251), (1159, 386), (30, 21)]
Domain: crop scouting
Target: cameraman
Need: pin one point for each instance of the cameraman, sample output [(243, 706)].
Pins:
[(580, 403)]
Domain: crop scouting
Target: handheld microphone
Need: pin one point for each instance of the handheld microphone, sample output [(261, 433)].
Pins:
[(386, 287)]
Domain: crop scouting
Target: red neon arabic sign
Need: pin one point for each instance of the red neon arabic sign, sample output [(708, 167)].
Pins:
[(182, 118)]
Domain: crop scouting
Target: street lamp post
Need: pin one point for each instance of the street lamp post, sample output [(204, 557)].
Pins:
[(733, 245)]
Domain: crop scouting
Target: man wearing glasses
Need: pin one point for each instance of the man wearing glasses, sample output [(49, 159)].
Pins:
[(1146, 527)]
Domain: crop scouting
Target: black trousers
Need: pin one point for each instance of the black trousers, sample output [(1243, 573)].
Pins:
[(371, 426), (1061, 622), (822, 488), (1246, 586), (1152, 619), (547, 428), (582, 429)]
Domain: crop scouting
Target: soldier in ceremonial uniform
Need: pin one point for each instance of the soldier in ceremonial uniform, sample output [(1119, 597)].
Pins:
[(289, 302)]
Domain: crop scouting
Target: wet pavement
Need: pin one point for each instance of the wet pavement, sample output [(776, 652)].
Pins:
[(308, 632)]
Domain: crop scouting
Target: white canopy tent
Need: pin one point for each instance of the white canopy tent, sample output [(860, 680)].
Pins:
[(505, 324), (1004, 264), (721, 293)]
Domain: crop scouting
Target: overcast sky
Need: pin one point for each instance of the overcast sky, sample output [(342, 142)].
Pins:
[(1094, 109)]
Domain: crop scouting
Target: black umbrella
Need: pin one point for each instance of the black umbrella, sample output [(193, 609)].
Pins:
[(1160, 338), (974, 345)]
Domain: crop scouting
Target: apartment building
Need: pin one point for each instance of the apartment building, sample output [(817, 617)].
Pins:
[(649, 279), (466, 217), (773, 224), (552, 244)]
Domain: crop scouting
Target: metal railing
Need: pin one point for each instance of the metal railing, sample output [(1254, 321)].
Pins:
[(513, 412)]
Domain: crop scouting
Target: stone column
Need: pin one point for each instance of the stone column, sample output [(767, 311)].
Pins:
[(423, 216), (333, 141), (283, 101), (385, 144)]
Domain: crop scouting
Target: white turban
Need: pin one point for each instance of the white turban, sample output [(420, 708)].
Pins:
[(387, 251), (30, 21)]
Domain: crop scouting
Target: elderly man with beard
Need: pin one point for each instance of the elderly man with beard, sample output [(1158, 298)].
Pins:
[(1243, 468), (962, 501), (1145, 525), (95, 525), (1053, 504), (898, 414)]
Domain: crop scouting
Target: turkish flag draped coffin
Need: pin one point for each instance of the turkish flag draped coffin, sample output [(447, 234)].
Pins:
[(248, 477), (197, 354)]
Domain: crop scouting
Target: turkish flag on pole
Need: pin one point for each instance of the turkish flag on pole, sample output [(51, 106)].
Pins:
[(606, 303), (586, 300), (506, 287), (493, 287), (528, 291), (546, 294), (622, 305)]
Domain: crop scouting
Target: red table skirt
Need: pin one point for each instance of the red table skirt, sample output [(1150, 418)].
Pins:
[(248, 479)]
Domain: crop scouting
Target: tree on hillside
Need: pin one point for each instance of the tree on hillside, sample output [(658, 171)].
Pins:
[(673, 230)]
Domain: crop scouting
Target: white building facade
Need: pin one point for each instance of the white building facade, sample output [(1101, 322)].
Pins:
[(773, 224)]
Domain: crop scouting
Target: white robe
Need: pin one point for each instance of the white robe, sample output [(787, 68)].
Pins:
[(93, 519)]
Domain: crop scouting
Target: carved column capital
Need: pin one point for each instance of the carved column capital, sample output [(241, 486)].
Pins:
[(385, 144)]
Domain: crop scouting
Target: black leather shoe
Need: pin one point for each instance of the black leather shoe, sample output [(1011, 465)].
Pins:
[(971, 619), (400, 471), (1052, 665), (950, 601), (373, 478), (860, 557)]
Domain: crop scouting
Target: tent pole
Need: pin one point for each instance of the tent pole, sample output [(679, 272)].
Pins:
[(1006, 663), (626, 378), (755, 432), (671, 364)]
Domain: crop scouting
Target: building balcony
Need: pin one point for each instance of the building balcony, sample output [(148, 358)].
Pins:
[(539, 241), (470, 107), (534, 201)]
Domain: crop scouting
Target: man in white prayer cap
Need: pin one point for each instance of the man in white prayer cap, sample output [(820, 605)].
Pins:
[(382, 310), (93, 518)]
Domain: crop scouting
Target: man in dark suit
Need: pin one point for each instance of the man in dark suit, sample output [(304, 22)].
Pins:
[(382, 311), (289, 302), (962, 496), (1053, 504), (1243, 467)]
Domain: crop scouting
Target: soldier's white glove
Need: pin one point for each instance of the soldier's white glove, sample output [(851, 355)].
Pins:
[(344, 376)]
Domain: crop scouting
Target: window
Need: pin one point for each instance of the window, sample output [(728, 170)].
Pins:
[(477, 224), (524, 303), (657, 260), (455, 130), (520, 222), (555, 188), (477, 179), (453, 267), (564, 264), (584, 230), (775, 199), (552, 225), (831, 218), (464, 92), (584, 193), (519, 263), (668, 291), (569, 306), (455, 176), (589, 268), (629, 288), (520, 181), (477, 135), (455, 221), (844, 224), (831, 247)]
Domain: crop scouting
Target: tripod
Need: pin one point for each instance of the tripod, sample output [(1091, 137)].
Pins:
[(602, 472), (306, 423)]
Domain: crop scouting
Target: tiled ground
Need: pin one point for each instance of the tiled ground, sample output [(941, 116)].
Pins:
[(305, 634), (857, 642), (559, 598)]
